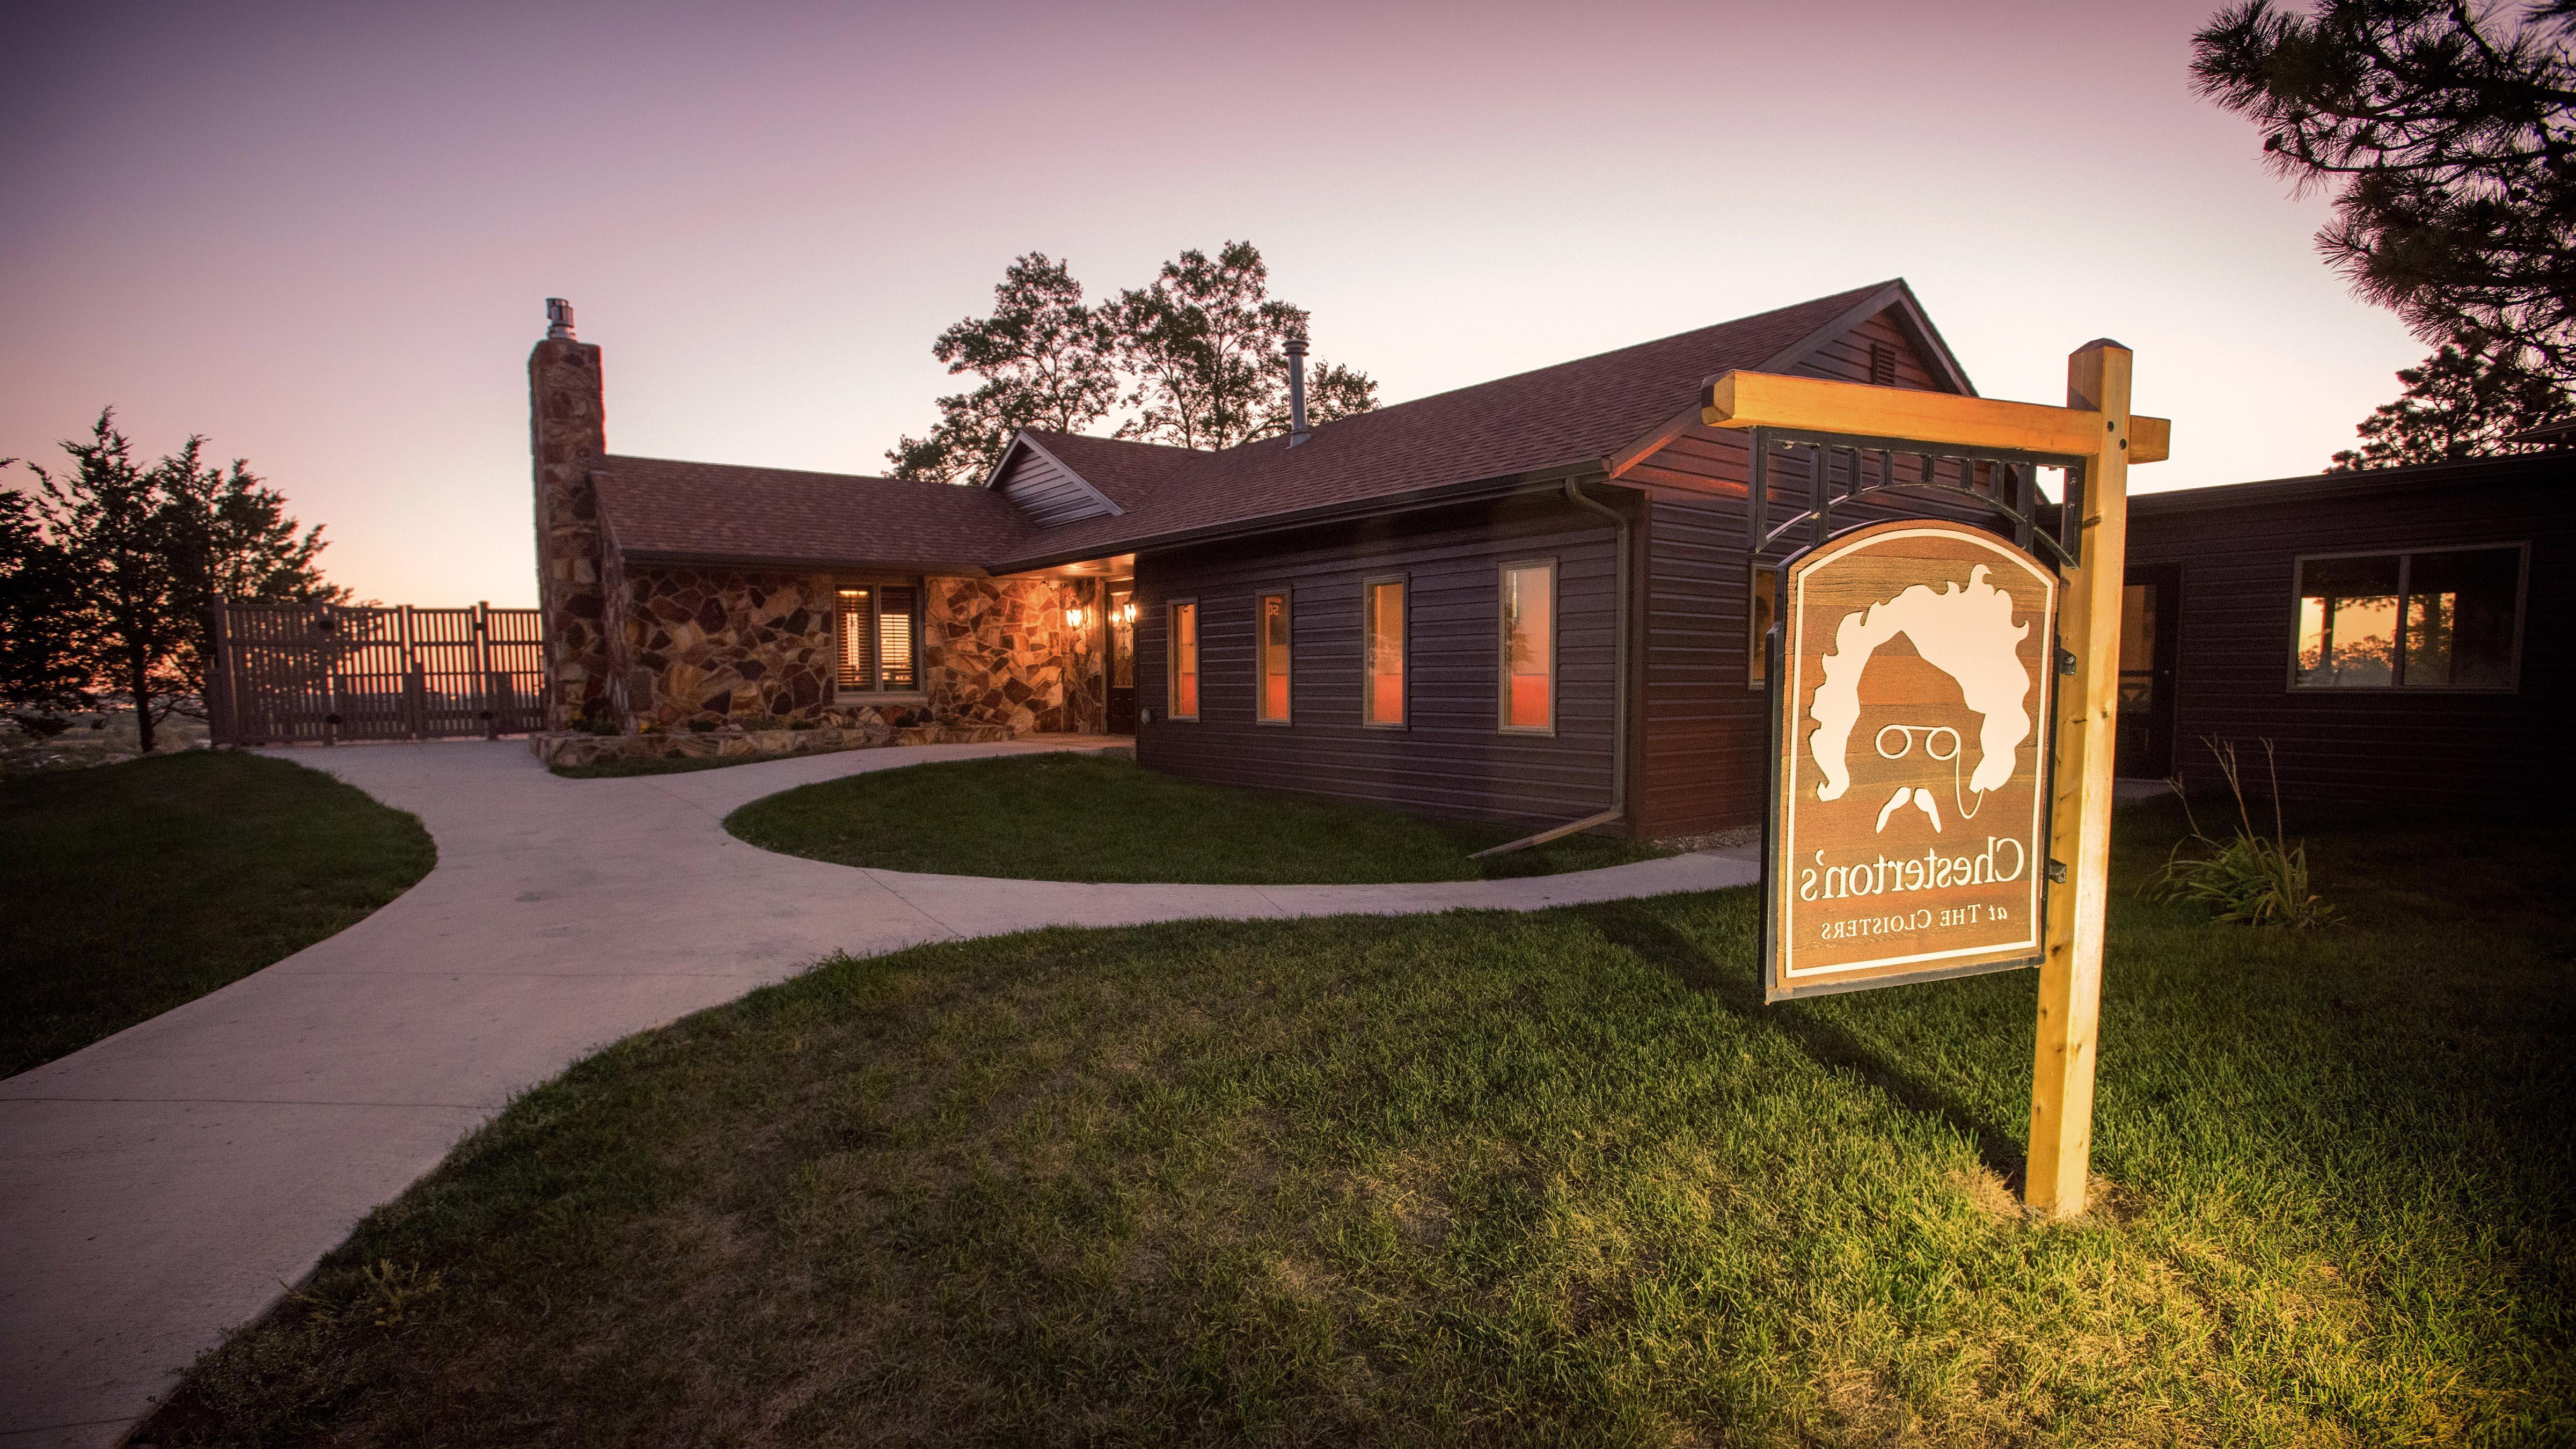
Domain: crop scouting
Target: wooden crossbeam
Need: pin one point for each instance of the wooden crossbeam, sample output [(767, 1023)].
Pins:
[(1774, 400)]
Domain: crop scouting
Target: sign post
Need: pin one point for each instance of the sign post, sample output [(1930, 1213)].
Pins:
[(1945, 706), (2070, 975)]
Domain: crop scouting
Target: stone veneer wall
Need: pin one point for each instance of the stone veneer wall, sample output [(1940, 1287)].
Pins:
[(568, 433), (1000, 653), (719, 645)]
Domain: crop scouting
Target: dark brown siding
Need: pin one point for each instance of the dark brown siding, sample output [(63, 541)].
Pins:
[(1044, 490), (1451, 759), (1706, 732), (2238, 622)]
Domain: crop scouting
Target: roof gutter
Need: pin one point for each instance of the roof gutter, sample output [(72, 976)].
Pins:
[(1618, 695)]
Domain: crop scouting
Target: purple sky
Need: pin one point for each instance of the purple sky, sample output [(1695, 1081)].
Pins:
[(323, 236)]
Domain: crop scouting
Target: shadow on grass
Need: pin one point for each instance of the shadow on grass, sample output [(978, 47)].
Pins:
[(1631, 924)]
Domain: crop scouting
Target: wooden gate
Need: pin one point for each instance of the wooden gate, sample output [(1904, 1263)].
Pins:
[(289, 673)]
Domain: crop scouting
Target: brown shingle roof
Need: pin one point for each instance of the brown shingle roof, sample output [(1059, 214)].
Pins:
[(665, 508), (1121, 468), (1563, 416), (1568, 414)]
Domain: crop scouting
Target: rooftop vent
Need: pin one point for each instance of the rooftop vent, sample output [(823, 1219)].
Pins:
[(1296, 391), (558, 320)]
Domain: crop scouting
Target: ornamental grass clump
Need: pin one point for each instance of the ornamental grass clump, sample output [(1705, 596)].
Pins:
[(2251, 879)]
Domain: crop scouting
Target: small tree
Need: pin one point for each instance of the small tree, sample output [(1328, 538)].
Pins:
[(106, 517), (41, 672), (1045, 358), (2458, 403), (149, 551)]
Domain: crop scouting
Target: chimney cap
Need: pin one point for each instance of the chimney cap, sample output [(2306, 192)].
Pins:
[(558, 320)]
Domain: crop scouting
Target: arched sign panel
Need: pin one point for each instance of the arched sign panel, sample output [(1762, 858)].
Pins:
[(1909, 800)]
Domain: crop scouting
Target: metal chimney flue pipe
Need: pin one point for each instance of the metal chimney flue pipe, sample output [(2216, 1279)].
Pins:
[(1296, 391), (558, 320)]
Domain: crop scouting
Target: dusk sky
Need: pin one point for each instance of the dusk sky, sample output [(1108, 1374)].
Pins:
[(323, 236)]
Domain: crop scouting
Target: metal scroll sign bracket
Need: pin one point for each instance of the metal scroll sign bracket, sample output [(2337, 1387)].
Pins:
[(1869, 451)]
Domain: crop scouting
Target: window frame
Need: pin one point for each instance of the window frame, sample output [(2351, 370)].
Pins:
[(1756, 661), (2405, 557), (1172, 658), (1368, 652), (1261, 655), (1503, 646), (877, 693)]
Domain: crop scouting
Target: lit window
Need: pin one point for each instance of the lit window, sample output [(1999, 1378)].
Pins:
[(1274, 658), (858, 660), (879, 628), (1185, 661), (2448, 619), (1529, 647), (1760, 599), (1383, 703)]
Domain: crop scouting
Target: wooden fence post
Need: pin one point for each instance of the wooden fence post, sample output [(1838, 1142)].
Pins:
[(2070, 975), (491, 706), (221, 727)]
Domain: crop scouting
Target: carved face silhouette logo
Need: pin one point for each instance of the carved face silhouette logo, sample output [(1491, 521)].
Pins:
[(1906, 836), (1967, 634)]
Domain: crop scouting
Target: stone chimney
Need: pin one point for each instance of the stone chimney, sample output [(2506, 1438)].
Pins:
[(568, 435)]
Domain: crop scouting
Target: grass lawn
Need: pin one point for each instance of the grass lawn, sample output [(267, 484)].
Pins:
[(128, 889), (1101, 818), (1557, 1178)]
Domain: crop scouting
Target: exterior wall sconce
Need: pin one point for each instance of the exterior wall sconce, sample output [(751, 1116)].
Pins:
[(1074, 614), (1126, 612)]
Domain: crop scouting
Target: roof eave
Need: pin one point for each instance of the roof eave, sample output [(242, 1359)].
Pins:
[(1585, 469), (2509, 468), (706, 558)]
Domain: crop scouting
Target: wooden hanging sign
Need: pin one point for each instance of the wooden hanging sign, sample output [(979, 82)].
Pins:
[(1908, 838)]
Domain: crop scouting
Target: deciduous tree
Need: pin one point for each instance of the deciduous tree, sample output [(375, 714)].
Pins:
[(1197, 358), (1046, 360), (1205, 345)]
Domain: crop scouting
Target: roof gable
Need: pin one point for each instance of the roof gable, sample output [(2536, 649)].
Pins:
[(1896, 302), (1116, 472), (1039, 484)]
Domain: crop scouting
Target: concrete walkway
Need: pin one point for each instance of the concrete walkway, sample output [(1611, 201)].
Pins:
[(157, 1188)]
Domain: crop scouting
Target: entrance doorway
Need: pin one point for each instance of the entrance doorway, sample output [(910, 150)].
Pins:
[(2150, 627), (1122, 656)]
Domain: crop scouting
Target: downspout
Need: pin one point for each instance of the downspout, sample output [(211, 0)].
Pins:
[(1618, 697)]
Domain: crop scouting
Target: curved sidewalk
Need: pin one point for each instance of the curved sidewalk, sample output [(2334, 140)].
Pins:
[(159, 1187)]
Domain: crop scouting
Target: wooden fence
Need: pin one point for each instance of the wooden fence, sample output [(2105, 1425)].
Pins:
[(289, 673)]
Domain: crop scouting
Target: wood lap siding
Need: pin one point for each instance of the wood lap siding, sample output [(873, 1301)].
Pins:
[(1846, 358), (1450, 759), (1706, 738), (1048, 492), (2238, 576)]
